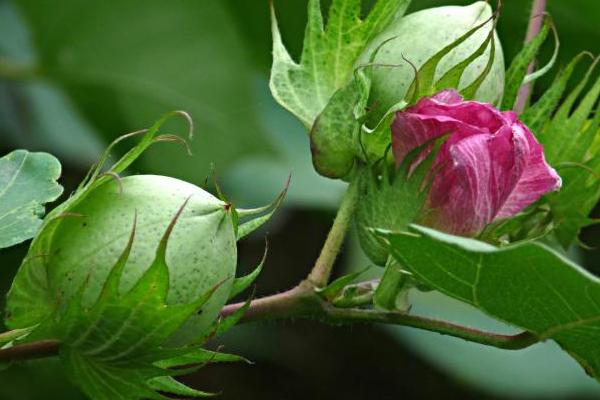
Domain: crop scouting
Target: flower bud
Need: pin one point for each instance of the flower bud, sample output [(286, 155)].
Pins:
[(417, 37), (81, 247), (490, 166), (460, 165)]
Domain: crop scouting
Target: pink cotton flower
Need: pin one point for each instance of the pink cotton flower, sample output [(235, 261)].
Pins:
[(490, 167)]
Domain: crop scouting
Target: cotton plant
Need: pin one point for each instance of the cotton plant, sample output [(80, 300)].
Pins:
[(456, 182)]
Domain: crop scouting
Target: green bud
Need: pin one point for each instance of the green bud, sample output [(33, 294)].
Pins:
[(416, 38), (82, 245)]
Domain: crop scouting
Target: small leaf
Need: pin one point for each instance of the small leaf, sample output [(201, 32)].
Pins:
[(568, 136), (225, 324), (425, 84), (264, 214), (536, 116), (337, 286), (329, 53), (517, 72), (27, 182), (167, 384), (242, 283), (527, 285), (200, 356)]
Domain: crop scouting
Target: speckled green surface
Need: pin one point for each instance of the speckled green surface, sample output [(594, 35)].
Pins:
[(201, 251), (418, 36)]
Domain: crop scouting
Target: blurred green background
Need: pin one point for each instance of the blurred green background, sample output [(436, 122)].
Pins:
[(75, 74)]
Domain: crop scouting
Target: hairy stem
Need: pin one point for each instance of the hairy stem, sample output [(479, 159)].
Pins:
[(319, 276), (304, 302), (535, 24)]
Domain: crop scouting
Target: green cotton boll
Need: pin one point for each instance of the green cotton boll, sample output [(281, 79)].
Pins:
[(82, 247), (420, 35)]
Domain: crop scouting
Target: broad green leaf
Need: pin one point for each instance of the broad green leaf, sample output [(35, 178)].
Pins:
[(328, 55), (527, 285), (27, 182)]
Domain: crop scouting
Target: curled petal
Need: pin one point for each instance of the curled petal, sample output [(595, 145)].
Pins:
[(444, 113), (489, 167), (537, 179)]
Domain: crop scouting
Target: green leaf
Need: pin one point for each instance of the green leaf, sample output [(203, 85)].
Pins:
[(200, 356), (391, 198), (527, 285), (259, 216), (516, 75), (568, 135), (424, 83), (27, 182), (328, 55), (572, 205), (225, 324), (539, 113), (336, 287), (167, 384), (111, 349), (242, 283), (334, 133)]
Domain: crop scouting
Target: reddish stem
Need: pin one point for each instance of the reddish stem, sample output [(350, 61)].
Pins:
[(535, 25)]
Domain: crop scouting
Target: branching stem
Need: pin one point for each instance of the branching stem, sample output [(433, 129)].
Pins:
[(304, 302)]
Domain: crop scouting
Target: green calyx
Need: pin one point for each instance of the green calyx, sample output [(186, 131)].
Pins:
[(391, 199)]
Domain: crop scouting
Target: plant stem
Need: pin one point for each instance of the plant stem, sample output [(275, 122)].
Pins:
[(509, 342), (303, 302), (12, 71), (29, 351), (535, 24), (319, 276)]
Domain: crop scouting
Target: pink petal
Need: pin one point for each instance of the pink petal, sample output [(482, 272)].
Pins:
[(474, 182), (538, 177), (441, 114)]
